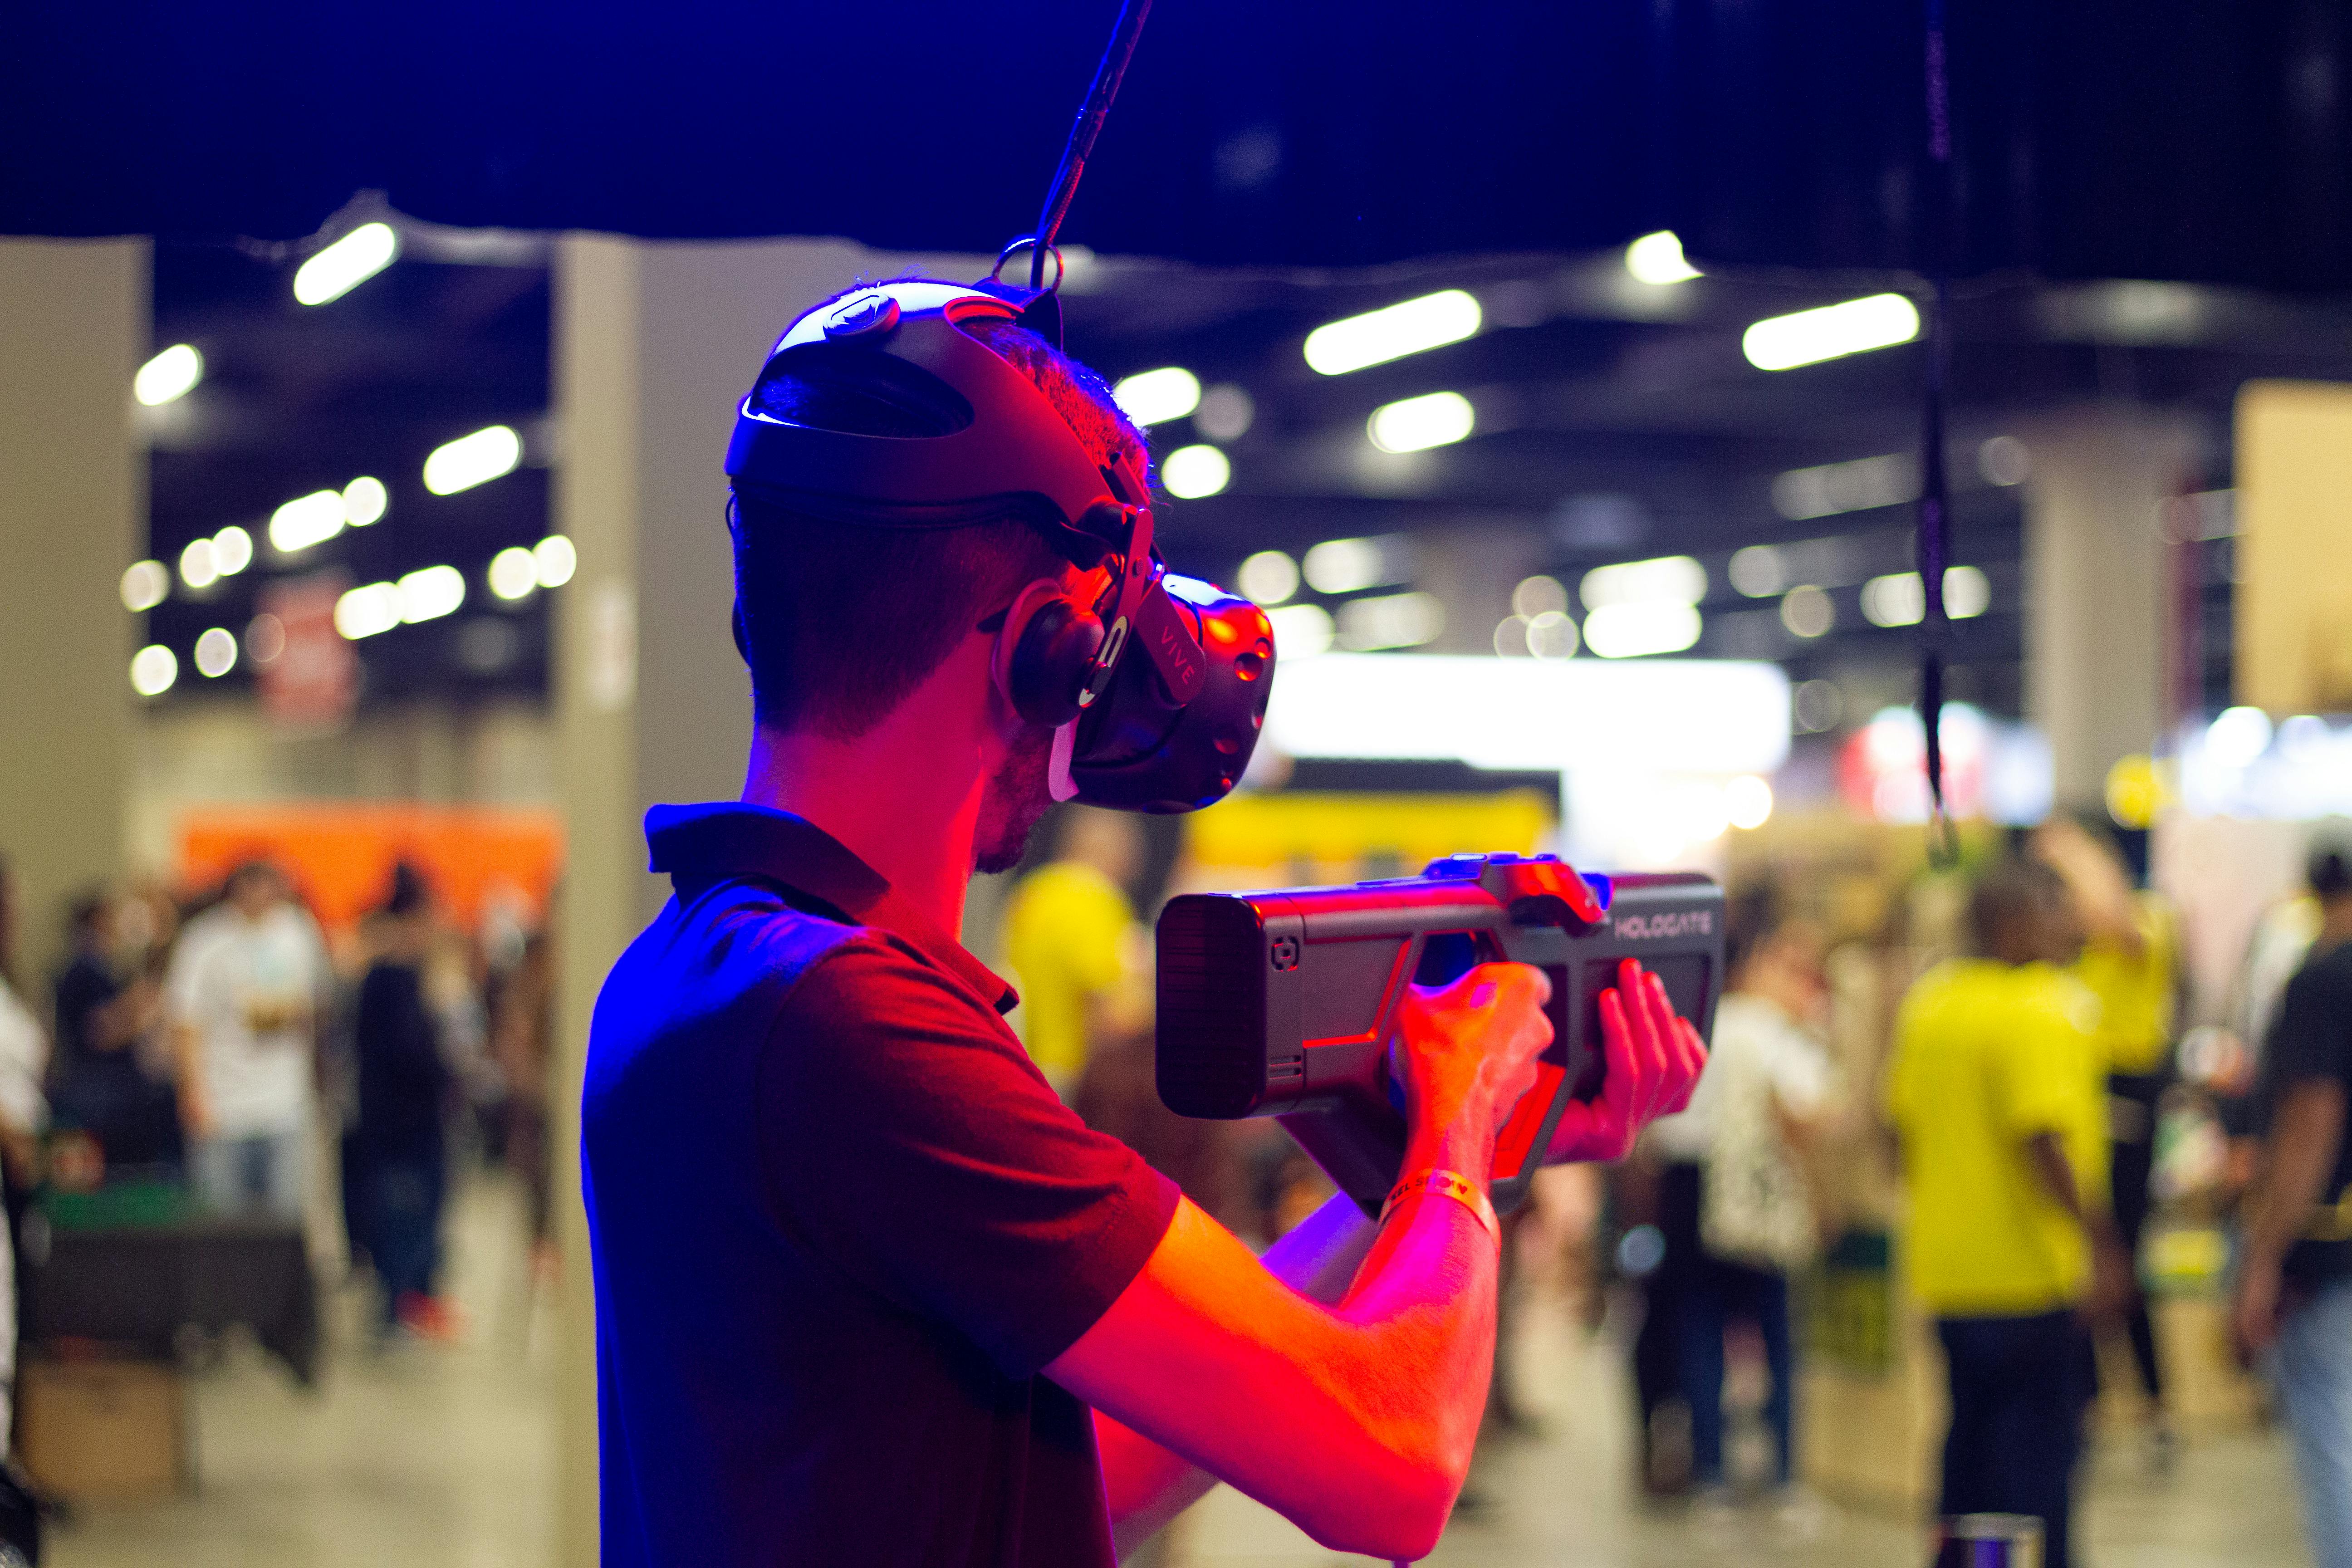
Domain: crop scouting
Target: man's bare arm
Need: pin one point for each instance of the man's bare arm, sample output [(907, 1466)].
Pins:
[(2110, 1268), (2297, 1159), (1148, 1485), (1356, 1421)]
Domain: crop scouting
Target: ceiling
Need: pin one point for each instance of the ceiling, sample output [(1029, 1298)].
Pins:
[(1615, 420)]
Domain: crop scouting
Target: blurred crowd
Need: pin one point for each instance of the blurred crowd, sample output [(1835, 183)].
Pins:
[(1988, 1080), (229, 1054)]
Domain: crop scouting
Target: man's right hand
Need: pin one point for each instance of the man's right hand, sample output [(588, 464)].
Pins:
[(1465, 1053)]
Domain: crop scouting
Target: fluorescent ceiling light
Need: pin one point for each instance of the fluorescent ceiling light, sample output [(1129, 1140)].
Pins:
[(1155, 396), (1347, 566), (153, 670), (1857, 486), (307, 520), (1808, 611), (1658, 258), (216, 653), (556, 560), (1699, 716), (471, 460), (1900, 598), (365, 611), (1416, 424), (168, 376), (1809, 337), (145, 584), (232, 551), (514, 573), (364, 501), (1300, 631), (1377, 336), (1668, 579), (346, 264), (1639, 630), (432, 592), (1191, 472), (198, 570), (1390, 620), (1269, 577)]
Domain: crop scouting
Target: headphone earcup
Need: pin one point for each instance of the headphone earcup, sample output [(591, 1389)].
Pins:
[(1043, 654)]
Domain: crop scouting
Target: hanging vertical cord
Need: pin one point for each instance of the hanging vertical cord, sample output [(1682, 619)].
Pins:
[(1933, 532), (1081, 146)]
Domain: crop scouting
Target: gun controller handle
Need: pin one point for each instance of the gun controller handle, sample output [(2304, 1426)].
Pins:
[(1283, 1003)]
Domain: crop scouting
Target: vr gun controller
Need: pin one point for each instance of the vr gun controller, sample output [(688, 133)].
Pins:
[(1282, 1004)]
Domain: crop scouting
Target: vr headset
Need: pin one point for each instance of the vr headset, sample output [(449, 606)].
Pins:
[(1155, 686)]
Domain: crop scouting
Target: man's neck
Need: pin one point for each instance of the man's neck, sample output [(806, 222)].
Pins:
[(904, 798)]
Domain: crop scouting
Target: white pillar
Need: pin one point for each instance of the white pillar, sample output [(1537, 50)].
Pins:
[(2095, 583), (73, 497), (655, 344)]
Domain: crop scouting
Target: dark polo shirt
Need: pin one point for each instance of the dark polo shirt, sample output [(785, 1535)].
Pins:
[(839, 1222)]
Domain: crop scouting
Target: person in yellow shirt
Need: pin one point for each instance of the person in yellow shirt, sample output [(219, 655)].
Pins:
[(2130, 962), (1068, 935), (1995, 1093)]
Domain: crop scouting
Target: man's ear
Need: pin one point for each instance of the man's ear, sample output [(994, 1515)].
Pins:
[(742, 638)]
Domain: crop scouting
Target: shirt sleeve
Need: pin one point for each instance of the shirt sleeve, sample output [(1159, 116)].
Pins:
[(2313, 1036), (2039, 1073), (908, 1137)]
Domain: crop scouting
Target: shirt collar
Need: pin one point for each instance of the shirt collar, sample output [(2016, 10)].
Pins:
[(701, 845)]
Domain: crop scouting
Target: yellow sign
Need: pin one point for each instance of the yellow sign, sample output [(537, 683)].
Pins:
[(1409, 829), (2137, 791)]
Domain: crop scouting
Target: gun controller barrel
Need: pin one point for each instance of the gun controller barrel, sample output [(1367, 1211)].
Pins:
[(1283, 1003)]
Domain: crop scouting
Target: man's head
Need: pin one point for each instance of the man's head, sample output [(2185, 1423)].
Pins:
[(841, 621), (2019, 913), (1771, 952), (254, 889)]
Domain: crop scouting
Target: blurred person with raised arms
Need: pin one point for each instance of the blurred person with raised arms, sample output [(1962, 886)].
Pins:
[(243, 993), (2130, 962), (1737, 1217), (2294, 1296), (868, 1291), (1996, 1093), (1069, 935)]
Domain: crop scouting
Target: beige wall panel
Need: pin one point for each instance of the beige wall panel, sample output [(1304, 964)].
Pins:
[(73, 488), (2294, 619)]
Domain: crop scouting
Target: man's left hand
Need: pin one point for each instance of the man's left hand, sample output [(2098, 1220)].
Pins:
[(2254, 1310), (1652, 1061)]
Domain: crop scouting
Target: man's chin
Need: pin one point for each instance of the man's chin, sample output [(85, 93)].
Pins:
[(1017, 800)]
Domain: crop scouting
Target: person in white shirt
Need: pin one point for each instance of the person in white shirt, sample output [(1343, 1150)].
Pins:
[(1737, 1216), (24, 1113), (242, 992)]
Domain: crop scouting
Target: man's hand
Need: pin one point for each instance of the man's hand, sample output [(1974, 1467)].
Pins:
[(2112, 1285), (1467, 1052), (1653, 1062), (2254, 1308)]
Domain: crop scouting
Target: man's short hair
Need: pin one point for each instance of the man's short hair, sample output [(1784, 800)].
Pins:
[(840, 621), (1752, 917), (2012, 889)]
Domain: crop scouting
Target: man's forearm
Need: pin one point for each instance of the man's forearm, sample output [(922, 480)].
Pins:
[(1148, 1485), (2299, 1157)]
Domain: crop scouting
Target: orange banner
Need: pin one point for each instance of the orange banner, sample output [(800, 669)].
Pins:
[(341, 854)]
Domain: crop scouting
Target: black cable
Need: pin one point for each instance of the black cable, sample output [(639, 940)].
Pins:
[(1081, 145), (1933, 542)]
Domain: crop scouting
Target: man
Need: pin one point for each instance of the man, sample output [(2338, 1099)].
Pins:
[(2129, 963), (404, 1094), (2295, 1281), (860, 1275), (101, 1085), (242, 993), (1996, 1092), (1068, 929), (1736, 1215)]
